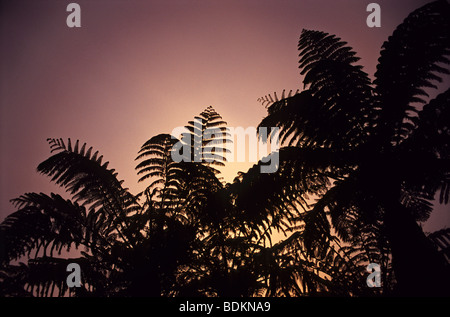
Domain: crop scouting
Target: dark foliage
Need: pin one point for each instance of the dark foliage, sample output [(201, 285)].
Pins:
[(379, 156), (362, 162)]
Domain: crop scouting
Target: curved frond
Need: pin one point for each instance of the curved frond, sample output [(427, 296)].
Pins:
[(208, 137), (412, 61), (85, 177), (337, 109), (90, 182), (432, 134), (157, 160), (47, 223)]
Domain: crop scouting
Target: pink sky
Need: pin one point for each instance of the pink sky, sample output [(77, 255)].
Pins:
[(139, 68)]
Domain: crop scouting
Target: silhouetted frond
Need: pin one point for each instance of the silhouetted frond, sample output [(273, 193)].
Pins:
[(413, 60), (371, 162), (337, 108), (47, 223), (207, 138), (267, 99), (433, 127), (361, 167), (158, 161), (85, 177)]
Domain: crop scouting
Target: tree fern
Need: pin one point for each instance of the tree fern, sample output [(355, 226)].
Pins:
[(412, 61), (379, 161), (44, 223)]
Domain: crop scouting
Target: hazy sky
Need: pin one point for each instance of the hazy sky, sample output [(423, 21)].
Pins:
[(138, 68)]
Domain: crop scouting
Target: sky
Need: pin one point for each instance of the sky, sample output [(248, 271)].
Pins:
[(138, 68)]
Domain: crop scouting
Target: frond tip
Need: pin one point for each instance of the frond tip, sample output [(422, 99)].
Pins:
[(267, 100), (83, 175)]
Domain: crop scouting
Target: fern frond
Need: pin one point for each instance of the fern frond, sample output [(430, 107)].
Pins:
[(85, 177), (44, 223), (414, 58)]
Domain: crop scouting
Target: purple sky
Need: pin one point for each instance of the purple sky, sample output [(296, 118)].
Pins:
[(139, 68)]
